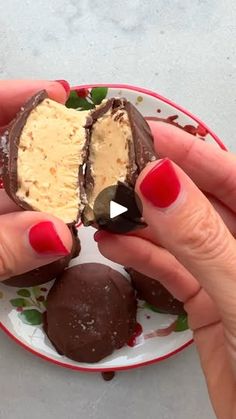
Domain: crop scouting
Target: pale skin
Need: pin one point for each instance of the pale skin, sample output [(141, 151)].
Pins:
[(190, 248)]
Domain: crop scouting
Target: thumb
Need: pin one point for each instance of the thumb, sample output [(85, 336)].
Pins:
[(185, 223), (29, 240)]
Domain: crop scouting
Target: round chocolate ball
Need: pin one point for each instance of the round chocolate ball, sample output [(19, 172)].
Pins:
[(91, 311), (48, 272), (151, 291)]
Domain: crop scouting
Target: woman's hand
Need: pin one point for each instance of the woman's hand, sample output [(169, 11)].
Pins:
[(189, 248), (28, 239)]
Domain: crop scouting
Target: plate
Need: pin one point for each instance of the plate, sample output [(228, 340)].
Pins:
[(158, 335)]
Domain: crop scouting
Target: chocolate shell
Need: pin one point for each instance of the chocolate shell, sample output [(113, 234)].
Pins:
[(58, 160), (91, 311), (43, 150), (48, 272), (117, 131), (151, 291), (9, 148)]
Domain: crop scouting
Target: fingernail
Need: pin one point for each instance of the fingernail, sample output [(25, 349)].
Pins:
[(161, 185), (44, 240), (99, 235), (64, 84)]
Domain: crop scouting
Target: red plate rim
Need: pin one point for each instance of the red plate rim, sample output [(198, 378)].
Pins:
[(181, 348), (84, 369), (157, 96)]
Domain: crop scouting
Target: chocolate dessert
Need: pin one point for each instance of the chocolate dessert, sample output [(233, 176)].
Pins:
[(151, 291), (58, 159), (91, 311), (48, 272)]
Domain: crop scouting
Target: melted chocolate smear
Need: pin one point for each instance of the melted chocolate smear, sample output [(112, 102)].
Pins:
[(138, 331), (108, 376), (172, 119)]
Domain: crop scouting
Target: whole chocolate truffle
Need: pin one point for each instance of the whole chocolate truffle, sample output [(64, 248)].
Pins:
[(48, 272), (151, 291), (91, 311)]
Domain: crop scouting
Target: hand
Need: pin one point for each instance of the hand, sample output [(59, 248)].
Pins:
[(189, 247), (28, 239)]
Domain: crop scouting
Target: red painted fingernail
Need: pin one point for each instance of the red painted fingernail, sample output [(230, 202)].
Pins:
[(161, 185), (100, 235), (66, 85), (44, 240)]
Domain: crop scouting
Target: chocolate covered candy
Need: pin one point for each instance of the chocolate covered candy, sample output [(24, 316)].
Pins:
[(151, 291), (43, 151), (91, 311), (120, 146), (58, 160), (48, 272)]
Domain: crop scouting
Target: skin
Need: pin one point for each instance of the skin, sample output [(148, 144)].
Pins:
[(190, 248), (15, 224), (198, 268)]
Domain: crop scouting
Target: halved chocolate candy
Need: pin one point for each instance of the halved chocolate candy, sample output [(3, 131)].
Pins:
[(120, 146), (43, 150), (58, 160)]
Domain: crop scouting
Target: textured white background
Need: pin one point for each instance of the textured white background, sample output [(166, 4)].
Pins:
[(185, 50)]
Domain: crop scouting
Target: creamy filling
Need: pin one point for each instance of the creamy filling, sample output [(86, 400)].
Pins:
[(49, 155), (109, 151)]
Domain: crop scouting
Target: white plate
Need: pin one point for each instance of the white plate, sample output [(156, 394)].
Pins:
[(148, 348)]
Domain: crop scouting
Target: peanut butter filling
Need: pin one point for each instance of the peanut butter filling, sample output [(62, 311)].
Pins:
[(49, 156), (109, 151)]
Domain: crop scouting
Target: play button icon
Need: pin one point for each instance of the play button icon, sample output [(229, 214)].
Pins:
[(118, 209)]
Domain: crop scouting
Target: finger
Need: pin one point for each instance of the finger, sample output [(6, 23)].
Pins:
[(186, 224), (150, 260), (6, 204), (29, 240), (14, 93), (201, 310), (226, 214), (159, 264), (200, 160)]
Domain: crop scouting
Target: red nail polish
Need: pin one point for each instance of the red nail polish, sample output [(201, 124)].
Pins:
[(45, 240), (161, 185), (99, 235), (66, 85)]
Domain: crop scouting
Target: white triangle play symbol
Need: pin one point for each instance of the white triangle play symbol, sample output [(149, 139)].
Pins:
[(116, 209)]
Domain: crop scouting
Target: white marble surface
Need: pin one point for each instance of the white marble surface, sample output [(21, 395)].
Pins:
[(183, 49)]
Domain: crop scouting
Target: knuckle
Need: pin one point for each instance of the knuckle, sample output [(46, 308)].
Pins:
[(203, 233)]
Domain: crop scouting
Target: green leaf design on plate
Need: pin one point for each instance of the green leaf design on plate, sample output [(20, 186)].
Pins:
[(20, 302), (24, 292), (98, 94), (32, 317), (182, 323), (153, 308), (80, 103), (1, 295)]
